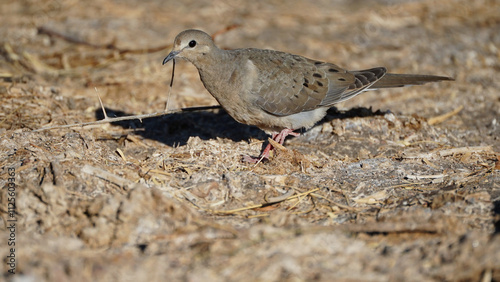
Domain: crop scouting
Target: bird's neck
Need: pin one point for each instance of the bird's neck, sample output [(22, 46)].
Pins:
[(211, 61), (213, 72)]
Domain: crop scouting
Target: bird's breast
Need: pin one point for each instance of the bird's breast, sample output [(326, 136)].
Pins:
[(231, 87)]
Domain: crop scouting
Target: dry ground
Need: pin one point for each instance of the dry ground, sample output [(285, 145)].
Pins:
[(385, 188)]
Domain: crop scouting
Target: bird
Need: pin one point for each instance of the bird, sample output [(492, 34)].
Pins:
[(277, 91)]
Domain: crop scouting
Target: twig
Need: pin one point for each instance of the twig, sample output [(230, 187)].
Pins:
[(100, 102), (283, 197), (139, 117), (336, 204), (449, 152), (299, 200), (122, 155), (171, 84), (391, 227), (307, 211), (463, 150), (265, 204), (224, 30), (55, 168), (443, 117), (111, 46), (377, 228), (418, 177), (120, 181)]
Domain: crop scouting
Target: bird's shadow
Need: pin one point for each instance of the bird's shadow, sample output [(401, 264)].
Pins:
[(175, 129)]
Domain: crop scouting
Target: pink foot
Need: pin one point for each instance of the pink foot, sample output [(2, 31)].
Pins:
[(278, 137), (252, 160)]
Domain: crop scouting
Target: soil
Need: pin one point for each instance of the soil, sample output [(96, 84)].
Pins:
[(395, 184)]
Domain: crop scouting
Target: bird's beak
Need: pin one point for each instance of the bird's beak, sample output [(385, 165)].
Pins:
[(170, 56)]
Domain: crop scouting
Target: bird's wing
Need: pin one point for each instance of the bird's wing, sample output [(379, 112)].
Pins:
[(288, 84), (363, 79)]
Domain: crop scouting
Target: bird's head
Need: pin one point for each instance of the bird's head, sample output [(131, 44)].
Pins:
[(191, 45)]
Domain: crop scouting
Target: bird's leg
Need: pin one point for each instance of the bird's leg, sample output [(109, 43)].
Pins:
[(263, 155), (278, 137)]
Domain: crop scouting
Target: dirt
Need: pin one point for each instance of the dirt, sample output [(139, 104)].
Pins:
[(396, 184)]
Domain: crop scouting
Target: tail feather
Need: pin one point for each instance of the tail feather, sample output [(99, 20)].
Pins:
[(400, 80)]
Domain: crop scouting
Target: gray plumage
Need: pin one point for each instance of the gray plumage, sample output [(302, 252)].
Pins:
[(277, 91)]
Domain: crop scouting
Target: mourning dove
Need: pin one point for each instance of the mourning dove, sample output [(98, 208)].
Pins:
[(276, 91)]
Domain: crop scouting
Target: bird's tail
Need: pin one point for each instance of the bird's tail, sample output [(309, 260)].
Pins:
[(400, 80)]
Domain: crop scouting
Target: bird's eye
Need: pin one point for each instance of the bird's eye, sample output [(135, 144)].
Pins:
[(192, 43)]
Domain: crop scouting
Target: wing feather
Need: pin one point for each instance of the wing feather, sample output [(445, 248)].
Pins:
[(289, 84)]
